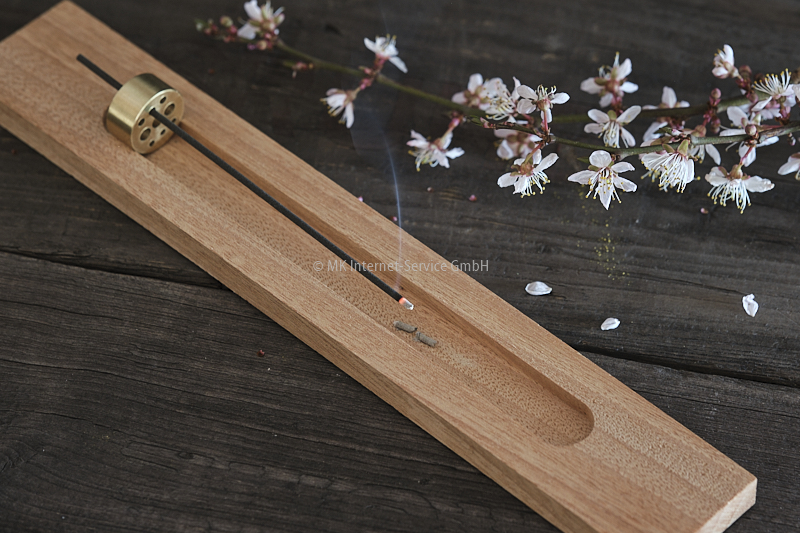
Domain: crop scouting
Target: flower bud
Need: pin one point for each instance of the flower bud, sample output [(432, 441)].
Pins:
[(751, 130), (226, 21)]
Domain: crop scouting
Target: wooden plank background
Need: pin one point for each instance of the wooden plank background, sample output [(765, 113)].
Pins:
[(131, 393)]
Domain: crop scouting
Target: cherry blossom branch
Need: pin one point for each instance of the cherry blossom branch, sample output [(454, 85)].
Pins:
[(523, 118)]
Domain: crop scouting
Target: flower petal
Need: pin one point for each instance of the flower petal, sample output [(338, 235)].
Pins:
[(600, 158), (455, 152), (373, 46), (717, 176), (624, 184), (631, 113), (348, 115), (747, 154), (526, 92), (650, 134), (610, 323), (792, 165), (605, 192), (606, 100), (583, 177), (475, 81), (506, 179), (758, 184), (731, 131), (627, 137), (396, 61), (504, 151), (559, 98), (525, 107), (597, 129), (629, 87), (598, 116), (253, 11), (624, 69), (750, 305), (622, 166), (728, 53), (737, 116), (713, 152), (538, 288), (547, 162), (247, 31), (668, 97), (588, 85)]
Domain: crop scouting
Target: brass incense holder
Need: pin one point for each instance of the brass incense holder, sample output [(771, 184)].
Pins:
[(128, 117)]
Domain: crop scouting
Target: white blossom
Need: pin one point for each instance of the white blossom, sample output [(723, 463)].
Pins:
[(669, 100), (516, 143), (338, 101), (792, 165), (610, 323), (611, 83), (747, 150), (724, 66), (527, 172), (475, 95), (262, 19), (433, 153), (491, 96), (541, 99), (610, 126), (672, 168), (750, 305), (502, 104), (778, 90), (538, 288), (385, 49), (734, 185), (603, 177)]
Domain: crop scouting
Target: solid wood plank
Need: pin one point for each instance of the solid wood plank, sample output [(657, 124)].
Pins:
[(580, 416), (139, 404)]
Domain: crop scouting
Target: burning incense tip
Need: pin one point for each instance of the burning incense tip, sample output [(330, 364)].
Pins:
[(405, 303), (405, 327), (421, 337)]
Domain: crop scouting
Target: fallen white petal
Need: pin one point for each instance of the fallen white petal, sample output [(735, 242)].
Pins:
[(610, 323), (537, 288), (750, 305)]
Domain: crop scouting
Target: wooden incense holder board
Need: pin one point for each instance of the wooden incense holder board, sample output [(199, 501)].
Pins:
[(559, 433)]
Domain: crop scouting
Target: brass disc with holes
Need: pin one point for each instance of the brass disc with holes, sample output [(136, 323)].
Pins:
[(128, 116)]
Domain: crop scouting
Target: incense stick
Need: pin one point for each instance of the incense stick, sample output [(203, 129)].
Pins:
[(261, 193)]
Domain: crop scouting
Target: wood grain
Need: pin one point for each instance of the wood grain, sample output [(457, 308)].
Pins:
[(486, 394), (141, 404), (682, 307)]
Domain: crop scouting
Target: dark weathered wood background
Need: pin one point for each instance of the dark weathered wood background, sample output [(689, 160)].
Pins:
[(131, 393)]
